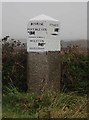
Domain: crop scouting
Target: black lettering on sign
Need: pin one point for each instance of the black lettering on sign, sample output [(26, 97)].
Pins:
[(35, 40), (32, 48), (31, 32), (54, 34), (37, 29), (41, 44), (56, 29), (36, 23), (51, 24)]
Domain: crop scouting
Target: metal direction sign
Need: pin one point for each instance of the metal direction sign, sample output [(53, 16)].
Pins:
[(43, 35)]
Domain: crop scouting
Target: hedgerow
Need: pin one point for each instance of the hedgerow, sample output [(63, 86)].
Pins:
[(74, 64)]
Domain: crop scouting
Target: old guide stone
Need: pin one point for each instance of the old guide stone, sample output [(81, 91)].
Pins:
[(43, 47)]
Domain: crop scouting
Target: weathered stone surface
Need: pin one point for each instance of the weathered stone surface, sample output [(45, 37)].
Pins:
[(43, 71), (54, 70)]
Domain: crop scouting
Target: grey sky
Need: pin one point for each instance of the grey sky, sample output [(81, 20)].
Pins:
[(72, 16)]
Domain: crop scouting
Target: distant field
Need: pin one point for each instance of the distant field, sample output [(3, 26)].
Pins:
[(80, 43)]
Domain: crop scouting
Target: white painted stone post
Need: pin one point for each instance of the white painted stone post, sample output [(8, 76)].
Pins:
[(43, 47)]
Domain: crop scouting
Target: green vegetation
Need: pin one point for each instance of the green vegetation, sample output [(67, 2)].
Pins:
[(14, 65), (47, 105), (70, 103), (75, 71)]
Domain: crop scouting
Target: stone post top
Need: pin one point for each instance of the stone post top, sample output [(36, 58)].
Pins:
[(43, 17)]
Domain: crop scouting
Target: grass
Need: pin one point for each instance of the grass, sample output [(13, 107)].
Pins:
[(47, 105)]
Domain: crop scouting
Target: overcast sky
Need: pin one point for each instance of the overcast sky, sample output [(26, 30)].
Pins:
[(72, 17)]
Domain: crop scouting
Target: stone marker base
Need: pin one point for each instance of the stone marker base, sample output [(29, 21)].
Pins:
[(43, 71)]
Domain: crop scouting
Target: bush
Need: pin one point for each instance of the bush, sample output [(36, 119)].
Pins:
[(75, 72), (14, 62)]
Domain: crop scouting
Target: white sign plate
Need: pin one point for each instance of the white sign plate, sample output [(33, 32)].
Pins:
[(43, 36)]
